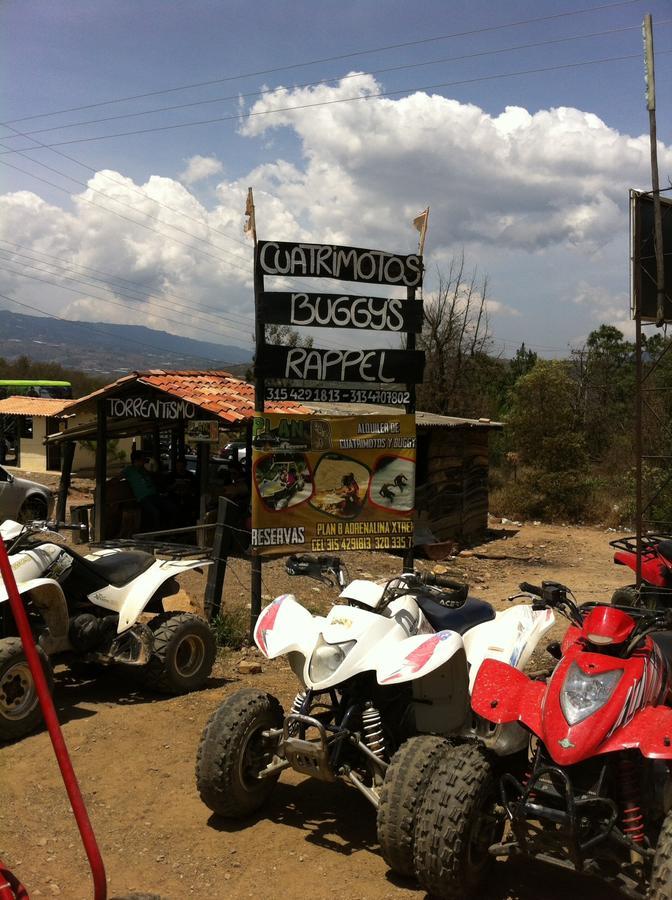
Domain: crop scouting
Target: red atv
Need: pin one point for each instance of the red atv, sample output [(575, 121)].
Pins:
[(596, 792), (656, 588)]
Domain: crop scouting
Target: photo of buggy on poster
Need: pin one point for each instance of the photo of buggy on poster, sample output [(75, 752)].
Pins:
[(283, 480)]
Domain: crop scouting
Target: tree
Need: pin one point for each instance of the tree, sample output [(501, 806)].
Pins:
[(554, 479), (456, 340)]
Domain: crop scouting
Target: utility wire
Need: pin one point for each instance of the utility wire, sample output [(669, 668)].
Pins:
[(336, 58), (110, 280), (106, 299), (241, 329), (91, 328), (377, 96), (340, 78)]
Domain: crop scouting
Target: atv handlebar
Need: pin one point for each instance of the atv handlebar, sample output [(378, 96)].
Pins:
[(528, 588), (440, 581)]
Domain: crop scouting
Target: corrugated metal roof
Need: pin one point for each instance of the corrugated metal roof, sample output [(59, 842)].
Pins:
[(421, 418), (33, 406), (217, 392)]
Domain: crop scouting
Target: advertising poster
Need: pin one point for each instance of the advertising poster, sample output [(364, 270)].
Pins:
[(328, 484)]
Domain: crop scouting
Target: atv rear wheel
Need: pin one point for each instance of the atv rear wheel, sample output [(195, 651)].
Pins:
[(661, 874), (233, 751), (183, 654), (457, 822), (404, 786), (20, 711)]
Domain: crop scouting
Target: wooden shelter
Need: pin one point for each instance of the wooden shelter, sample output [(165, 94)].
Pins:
[(152, 404)]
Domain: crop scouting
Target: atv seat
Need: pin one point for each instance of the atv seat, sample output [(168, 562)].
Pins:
[(120, 568), (665, 550), (472, 612)]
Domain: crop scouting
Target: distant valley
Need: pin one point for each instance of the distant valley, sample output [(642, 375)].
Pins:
[(106, 350)]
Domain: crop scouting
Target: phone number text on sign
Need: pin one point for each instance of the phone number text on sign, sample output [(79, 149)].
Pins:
[(338, 395)]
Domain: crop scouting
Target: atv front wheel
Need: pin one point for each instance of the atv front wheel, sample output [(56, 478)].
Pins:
[(20, 711), (661, 875), (183, 653), (232, 752), (457, 822), (404, 786)]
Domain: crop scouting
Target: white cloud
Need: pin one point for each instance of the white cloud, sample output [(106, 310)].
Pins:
[(542, 193), (199, 168)]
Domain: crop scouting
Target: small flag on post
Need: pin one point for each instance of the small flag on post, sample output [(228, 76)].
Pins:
[(420, 222), (250, 226)]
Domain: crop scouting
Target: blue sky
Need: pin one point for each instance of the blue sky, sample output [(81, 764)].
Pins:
[(536, 196)]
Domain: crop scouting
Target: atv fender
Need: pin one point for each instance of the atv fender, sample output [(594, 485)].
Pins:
[(132, 599), (510, 637), (285, 627), (417, 656), (504, 694), (47, 597), (650, 732)]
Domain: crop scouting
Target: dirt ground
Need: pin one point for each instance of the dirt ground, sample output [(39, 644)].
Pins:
[(134, 755)]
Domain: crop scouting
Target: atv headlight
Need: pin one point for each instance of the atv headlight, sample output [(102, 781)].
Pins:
[(584, 694), (327, 658)]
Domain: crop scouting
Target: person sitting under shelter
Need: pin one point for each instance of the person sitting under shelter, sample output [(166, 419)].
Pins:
[(157, 511)]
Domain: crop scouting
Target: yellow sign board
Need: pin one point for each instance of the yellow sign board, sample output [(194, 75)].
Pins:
[(332, 483)]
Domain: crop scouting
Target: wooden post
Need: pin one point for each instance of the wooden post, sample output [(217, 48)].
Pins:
[(64, 485), (221, 547), (203, 459), (647, 28), (101, 471), (259, 391), (409, 558)]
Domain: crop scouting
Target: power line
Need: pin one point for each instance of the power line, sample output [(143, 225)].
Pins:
[(377, 96), (193, 246), (90, 328), (266, 91), (128, 206), (336, 58), (109, 278), (117, 292)]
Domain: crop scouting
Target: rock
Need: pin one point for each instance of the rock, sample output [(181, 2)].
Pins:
[(466, 553), (249, 668), (439, 570)]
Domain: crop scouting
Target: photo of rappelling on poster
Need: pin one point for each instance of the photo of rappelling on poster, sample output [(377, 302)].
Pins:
[(393, 483), (283, 480), (340, 486)]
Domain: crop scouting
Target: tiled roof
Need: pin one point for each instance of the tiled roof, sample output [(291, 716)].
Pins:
[(33, 406), (217, 392)]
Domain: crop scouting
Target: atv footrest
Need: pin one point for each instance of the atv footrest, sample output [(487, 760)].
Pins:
[(310, 757)]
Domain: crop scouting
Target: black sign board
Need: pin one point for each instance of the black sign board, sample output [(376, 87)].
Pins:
[(343, 263), (340, 311), (644, 257), (359, 366)]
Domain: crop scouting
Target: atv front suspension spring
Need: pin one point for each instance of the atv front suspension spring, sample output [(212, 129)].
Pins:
[(631, 811), (373, 730), (297, 710)]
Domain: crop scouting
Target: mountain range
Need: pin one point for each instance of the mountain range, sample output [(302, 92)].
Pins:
[(104, 349)]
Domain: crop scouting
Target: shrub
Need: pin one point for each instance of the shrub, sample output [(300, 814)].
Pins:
[(232, 627)]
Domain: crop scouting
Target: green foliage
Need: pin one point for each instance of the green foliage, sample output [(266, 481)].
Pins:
[(232, 627), (24, 369)]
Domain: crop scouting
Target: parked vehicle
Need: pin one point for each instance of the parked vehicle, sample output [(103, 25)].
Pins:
[(88, 609), (23, 500), (596, 793), (656, 587), (389, 661)]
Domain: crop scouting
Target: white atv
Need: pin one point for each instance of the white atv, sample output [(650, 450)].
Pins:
[(389, 662), (88, 609)]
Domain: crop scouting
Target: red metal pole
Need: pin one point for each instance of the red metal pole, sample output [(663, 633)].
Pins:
[(51, 720)]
